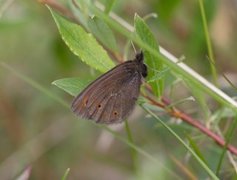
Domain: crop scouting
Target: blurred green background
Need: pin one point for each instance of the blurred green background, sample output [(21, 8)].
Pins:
[(39, 133)]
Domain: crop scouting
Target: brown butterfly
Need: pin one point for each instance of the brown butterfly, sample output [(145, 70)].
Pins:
[(110, 98)]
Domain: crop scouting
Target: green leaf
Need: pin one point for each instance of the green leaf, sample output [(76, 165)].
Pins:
[(66, 174), (196, 149), (222, 113), (200, 97), (83, 44), (154, 64), (166, 9), (229, 136), (108, 5), (102, 32), (73, 86), (80, 11), (159, 75)]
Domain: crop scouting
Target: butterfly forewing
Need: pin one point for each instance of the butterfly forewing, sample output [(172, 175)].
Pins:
[(130, 93)]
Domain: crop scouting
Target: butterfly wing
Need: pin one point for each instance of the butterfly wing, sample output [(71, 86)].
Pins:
[(122, 102), (111, 97)]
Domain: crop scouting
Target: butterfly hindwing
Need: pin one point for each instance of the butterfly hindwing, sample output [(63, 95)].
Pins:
[(121, 102)]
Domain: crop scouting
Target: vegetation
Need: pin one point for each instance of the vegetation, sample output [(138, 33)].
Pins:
[(184, 125)]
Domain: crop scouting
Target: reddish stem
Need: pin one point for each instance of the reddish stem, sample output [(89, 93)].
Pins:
[(193, 122), (207, 131)]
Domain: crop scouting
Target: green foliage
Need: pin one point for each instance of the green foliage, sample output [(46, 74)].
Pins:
[(71, 85), (102, 32), (166, 8), (146, 39), (66, 174), (83, 45), (108, 5), (35, 116), (196, 156), (154, 63)]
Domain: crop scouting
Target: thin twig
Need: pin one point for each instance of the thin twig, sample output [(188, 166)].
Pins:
[(193, 122)]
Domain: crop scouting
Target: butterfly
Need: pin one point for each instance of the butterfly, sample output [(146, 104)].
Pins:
[(111, 97)]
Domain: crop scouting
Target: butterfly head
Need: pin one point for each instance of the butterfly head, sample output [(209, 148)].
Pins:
[(139, 57), (142, 69)]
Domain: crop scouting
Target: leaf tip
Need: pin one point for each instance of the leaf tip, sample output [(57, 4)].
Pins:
[(54, 83)]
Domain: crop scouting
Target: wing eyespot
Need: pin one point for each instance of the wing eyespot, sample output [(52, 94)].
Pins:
[(99, 106), (115, 113), (85, 101)]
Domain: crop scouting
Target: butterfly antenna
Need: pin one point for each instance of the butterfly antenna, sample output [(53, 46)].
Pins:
[(133, 46), (137, 54)]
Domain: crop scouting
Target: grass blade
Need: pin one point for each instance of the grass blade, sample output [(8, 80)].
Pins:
[(199, 160)]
